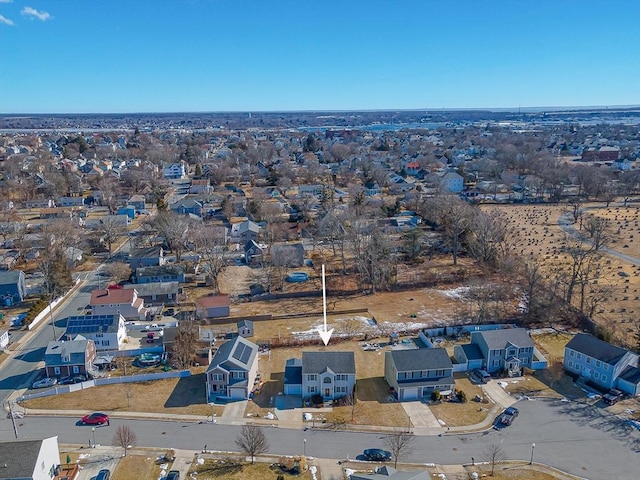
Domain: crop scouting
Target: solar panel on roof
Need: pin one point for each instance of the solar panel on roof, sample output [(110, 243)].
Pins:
[(246, 354), (237, 353)]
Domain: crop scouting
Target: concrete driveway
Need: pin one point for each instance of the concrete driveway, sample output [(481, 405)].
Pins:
[(498, 394), (421, 415), (234, 412)]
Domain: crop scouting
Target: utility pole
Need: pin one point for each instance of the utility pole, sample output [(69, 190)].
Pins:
[(13, 420)]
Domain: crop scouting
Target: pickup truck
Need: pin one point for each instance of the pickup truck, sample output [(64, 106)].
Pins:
[(508, 416)]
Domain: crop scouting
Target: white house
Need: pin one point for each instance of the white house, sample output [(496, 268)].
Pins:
[(4, 338), (29, 459), (107, 331), (175, 170)]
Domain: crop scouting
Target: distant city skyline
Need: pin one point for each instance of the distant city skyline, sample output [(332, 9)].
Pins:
[(286, 55)]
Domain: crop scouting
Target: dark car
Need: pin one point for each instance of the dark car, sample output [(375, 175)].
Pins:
[(509, 415), (481, 375), (72, 380), (613, 396), (377, 455), (95, 419), (103, 474), (173, 475)]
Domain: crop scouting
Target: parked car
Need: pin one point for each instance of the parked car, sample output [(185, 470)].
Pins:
[(72, 380), (95, 419), (103, 474), (481, 375), (170, 312), (45, 382), (173, 475), (377, 455), (613, 396), (509, 415)]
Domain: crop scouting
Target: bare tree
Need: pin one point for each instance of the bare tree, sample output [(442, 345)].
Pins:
[(184, 344), (210, 244), (400, 444), (174, 229), (487, 238), (111, 228), (124, 437), (118, 271), (493, 454), (252, 441)]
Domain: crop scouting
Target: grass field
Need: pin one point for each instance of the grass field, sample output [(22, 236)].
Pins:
[(137, 467), (233, 469)]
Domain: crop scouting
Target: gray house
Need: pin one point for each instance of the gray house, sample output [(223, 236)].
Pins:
[(161, 273), (146, 257), (29, 459), (245, 328), (244, 231), (413, 374), (507, 349), (12, 287), (330, 374), (602, 364), (187, 205), (287, 254), (156, 293), (232, 371)]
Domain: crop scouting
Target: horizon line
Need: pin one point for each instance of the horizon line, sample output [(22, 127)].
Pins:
[(427, 110)]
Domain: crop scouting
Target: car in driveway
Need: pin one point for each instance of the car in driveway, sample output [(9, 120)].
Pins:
[(104, 474), (45, 382), (377, 455), (95, 419), (508, 416), (173, 475), (613, 396), (481, 376)]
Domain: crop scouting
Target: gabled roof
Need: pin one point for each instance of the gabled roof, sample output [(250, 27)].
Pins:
[(146, 252), (20, 458), (420, 359), (472, 351), (93, 324), (337, 362), (210, 301), (293, 372), (596, 348), (10, 277), (630, 374), (113, 296), (236, 354), (505, 337), (160, 270)]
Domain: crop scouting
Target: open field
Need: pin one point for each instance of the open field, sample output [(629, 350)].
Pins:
[(234, 469)]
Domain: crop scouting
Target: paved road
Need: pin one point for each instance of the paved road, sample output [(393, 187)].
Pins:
[(571, 436)]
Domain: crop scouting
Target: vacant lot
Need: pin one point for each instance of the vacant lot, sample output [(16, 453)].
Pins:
[(136, 467), (234, 469)]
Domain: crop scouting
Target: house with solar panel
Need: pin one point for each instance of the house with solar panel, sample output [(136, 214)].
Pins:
[(107, 331), (232, 372)]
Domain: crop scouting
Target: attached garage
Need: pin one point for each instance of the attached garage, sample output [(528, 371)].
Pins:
[(293, 377), (409, 393)]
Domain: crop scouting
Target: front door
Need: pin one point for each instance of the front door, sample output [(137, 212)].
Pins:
[(327, 392)]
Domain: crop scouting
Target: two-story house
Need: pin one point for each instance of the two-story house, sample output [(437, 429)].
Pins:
[(65, 359), (507, 349), (330, 374), (244, 232), (161, 273), (122, 301), (187, 205), (232, 371), (413, 374), (602, 364), (157, 293), (13, 287), (137, 201), (175, 170), (30, 459), (107, 331)]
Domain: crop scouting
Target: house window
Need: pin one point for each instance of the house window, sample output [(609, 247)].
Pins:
[(56, 370), (589, 360), (496, 363), (596, 375), (312, 378), (570, 364), (439, 373), (217, 377), (604, 378), (341, 389), (598, 363), (98, 335), (76, 369), (341, 378), (105, 343), (312, 389), (578, 356), (571, 353), (606, 366)]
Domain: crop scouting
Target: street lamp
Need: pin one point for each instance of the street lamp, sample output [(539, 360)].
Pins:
[(533, 446), (93, 431), (304, 443)]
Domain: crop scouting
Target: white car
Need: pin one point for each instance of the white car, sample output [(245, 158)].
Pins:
[(45, 382)]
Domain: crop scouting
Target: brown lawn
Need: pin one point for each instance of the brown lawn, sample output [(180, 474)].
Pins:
[(136, 467), (507, 472), (455, 414), (234, 469)]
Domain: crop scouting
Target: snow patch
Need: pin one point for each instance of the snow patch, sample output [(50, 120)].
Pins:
[(458, 293)]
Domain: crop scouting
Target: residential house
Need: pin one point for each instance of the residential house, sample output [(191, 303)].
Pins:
[(213, 306), (70, 201), (201, 186), (602, 364), (254, 252), (29, 459), (137, 202), (175, 171), (387, 472), (157, 293), (232, 371), (287, 254), (452, 182), (293, 376), (413, 374), (123, 301), (508, 349), (107, 331), (468, 355), (245, 328), (244, 232), (161, 273), (329, 374), (315, 190), (146, 257), (187, 206), (128, 210), (13, 287), (65, 359), (372, 188)]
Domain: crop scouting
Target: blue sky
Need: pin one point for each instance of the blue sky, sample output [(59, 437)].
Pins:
[(73, 56)]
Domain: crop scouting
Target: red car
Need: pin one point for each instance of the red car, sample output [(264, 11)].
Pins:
[(95, 419)]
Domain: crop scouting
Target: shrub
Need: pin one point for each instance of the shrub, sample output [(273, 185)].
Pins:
[(436, 395), (462, 397)]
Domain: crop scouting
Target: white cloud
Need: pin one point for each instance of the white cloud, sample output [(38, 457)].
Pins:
[(6, 1), (32, 12), (4, 20)]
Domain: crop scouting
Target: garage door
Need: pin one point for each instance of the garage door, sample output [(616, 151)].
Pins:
[(409, 393), (293, 389)]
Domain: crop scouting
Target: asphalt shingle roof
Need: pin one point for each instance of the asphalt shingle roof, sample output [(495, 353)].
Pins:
[(421, 359), (499, 339), (596, 348), (19, 457), (318, 362)]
